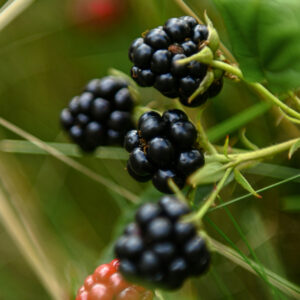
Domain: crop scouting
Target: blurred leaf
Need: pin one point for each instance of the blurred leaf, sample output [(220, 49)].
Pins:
[(25, 147), (244, 183), (294, 148), (235, 122), (265, 39), (210, 173), (291, 203)]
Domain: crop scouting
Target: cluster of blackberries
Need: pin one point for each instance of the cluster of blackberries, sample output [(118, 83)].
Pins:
[(101, 115), (154, 58), (163, 147), (107, 284), (159, 249)]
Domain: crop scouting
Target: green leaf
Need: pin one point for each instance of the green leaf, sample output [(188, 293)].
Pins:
[(230, 125), (264, 35), (244, 183), (294, 148), (291, 203), (210, 173)]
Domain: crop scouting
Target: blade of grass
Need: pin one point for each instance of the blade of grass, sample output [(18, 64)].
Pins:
[(251, 251), (25, 147), (236, 122), (274, 171), (257, 191), (70, 162), (220, 283), (11, 10), (282, 284), (232, 244), (19, 235)]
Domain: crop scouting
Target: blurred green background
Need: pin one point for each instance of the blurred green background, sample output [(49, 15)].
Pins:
[(47, 54)]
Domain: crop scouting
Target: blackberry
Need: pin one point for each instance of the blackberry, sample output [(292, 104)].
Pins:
[(154, 57), (163, 147), (101, 115), (160, 250), (106, 283)]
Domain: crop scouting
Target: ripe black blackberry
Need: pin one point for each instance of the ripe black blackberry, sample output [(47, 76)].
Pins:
[(163, 147), (154, 58), (101, 115), (159, 249)]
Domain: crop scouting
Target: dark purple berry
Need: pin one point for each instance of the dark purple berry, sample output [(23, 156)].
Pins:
[(95, 133), (200, 33), (157, 38), (149, 263), (137, 177), (194, 249), (161, 60), (131, 140), (85, 102), (139, 162), (82, 120), (183, 231), (164, 250), (114, 137), (159, 229), (161, 152), (190, 161), (183, 134), (188, 85), (101, 109), (179, 70), (74, 106), (192, 22), (173, 208), (215, 88), (147, 213), (76, 133), (120, 121), (189, 48), (142, 55), (93, 86), (197, 101), (165, 82), (173, 116), (177, 29), (66, 118), (137, 42), (123, 100), (151, 127), (110, 85), (161, 177)]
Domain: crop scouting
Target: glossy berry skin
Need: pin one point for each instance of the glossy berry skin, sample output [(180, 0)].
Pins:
[(101, 115), (163, 148), (169, 250), (154, 57), (106, 283)]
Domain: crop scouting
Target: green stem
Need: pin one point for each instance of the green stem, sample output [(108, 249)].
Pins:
[(295, 99), (227, 68), (210, 200), (203, 139), (261, 153), (269, 96), (260, 89)]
